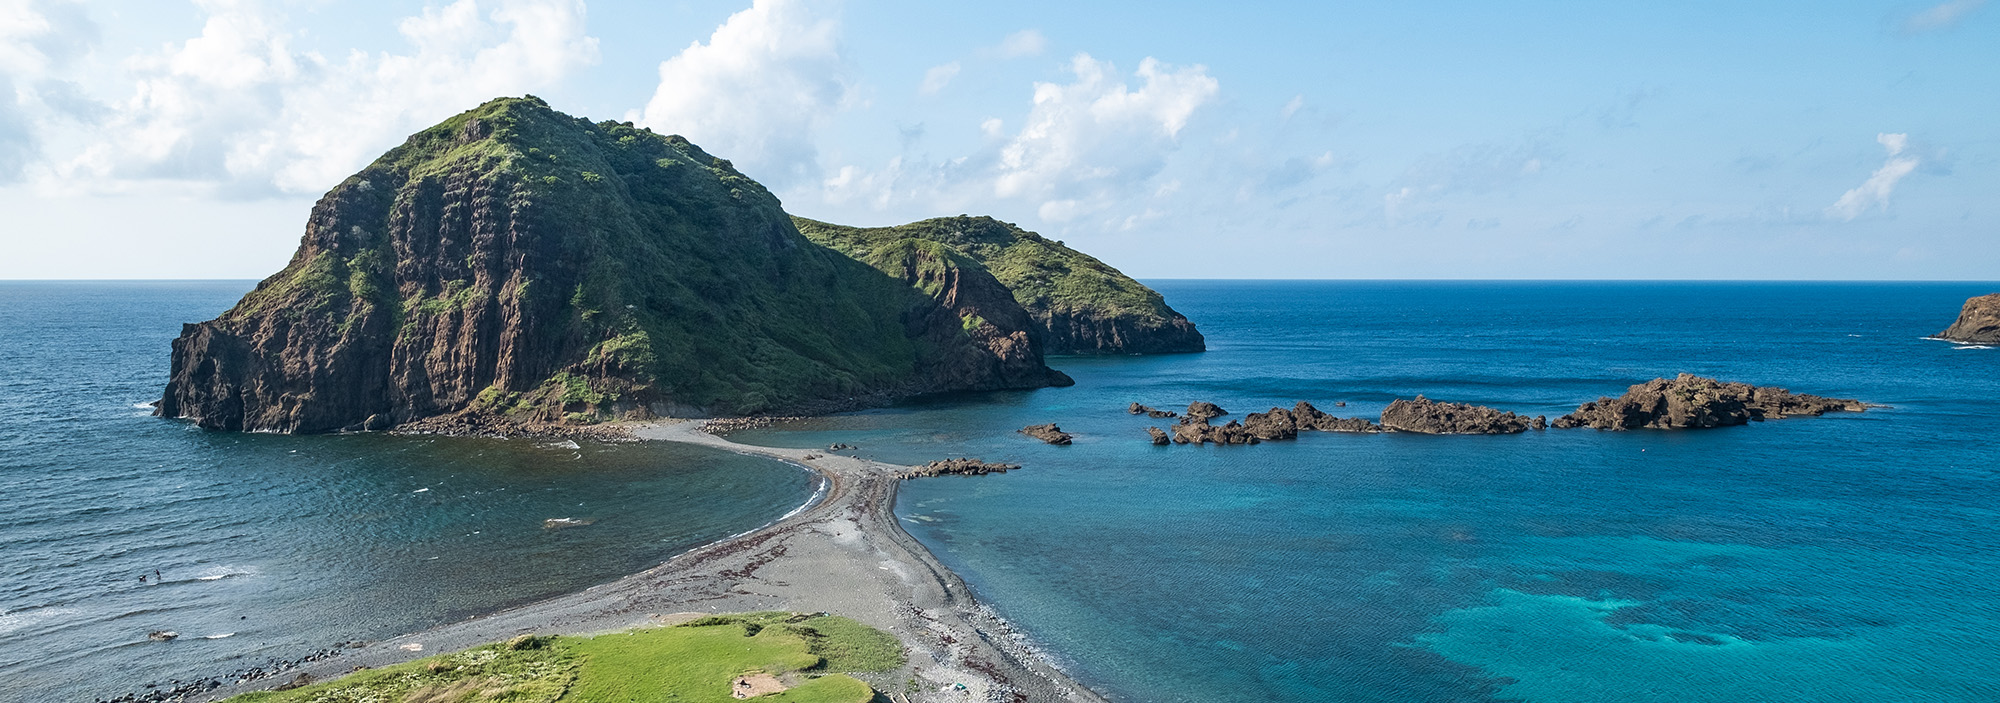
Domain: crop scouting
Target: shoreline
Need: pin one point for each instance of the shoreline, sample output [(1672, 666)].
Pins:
[(842, 552)]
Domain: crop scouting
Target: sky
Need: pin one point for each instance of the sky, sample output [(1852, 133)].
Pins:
[(1529, 140)]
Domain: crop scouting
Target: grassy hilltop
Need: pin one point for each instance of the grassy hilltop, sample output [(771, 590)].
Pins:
[(697, 662), (1083, 305)]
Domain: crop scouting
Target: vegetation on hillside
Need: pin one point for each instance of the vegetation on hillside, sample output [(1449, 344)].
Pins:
[(1049, 280)]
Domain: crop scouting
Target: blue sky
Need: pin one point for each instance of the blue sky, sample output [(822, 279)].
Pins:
[(1766, 140)]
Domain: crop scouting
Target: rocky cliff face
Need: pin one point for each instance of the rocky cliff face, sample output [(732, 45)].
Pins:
[(519, 263), (1082, 305), (1978, 322), (1693, 402)]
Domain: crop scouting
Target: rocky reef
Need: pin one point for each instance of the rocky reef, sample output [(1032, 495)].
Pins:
[(1427, 416), (1080, 304), (957, 467), (1978, 322), (1695, 402), (1048, 433), (517, 263), (1137, 409), (1275, 424)]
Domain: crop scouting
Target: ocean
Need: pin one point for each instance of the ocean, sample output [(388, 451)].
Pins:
[(1844, 558), (275, 547), (1851, 557)]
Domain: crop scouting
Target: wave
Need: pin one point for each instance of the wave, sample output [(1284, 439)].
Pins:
[(565, 444), (219, 573), (12, 621), (216, 637), (1973, 346)]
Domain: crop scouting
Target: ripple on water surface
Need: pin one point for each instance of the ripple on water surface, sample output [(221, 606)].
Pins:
[(273, 546)]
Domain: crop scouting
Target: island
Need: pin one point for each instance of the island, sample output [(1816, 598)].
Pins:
[(1978, 322), (514, 269)]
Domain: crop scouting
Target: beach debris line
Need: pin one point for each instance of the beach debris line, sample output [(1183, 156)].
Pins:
[(957, 467), (1048, 433)]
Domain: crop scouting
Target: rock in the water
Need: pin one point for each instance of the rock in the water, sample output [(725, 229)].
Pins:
[(1137, 409), (1978, 322), (1431, 417), (1276, 424), (1159, 435), (1202, 411), (1310, 418), (1691, 402), (1048, 433), (1190, 431), (162, 635), (957, 467)]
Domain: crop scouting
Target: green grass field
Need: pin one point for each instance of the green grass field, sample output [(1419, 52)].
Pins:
[(696, 662)]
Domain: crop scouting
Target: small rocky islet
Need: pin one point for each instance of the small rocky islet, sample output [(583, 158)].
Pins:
[(1682, 403), (1978, 322)]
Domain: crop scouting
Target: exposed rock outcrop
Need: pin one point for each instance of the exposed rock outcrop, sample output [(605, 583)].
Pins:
[(1137, 409), (1048, 433), (517, 263), (1192, 431), (1694, 402), (957, 467), (1431, 417), (1202, 411), (1082, 305), (1978, 322), (1159, 436), (1308, 417), (1276, 424)]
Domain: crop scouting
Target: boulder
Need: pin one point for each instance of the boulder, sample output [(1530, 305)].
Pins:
[(1159, 435), (1048, 433), (1310, 418), (1689, 402), (1426, 416), (1203, 411)]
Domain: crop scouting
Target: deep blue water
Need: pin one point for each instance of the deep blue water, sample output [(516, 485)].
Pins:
[(1845, 558), (275, 546)]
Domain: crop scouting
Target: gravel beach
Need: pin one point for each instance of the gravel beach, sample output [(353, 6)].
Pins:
[(843, 554)]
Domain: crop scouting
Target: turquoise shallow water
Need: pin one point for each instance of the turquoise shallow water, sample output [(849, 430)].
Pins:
[(275, 546), (1845, 558)]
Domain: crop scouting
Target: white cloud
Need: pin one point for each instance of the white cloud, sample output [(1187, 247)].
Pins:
[(1027, 42), (937, 78), (1291, 107), (1873, 194), (242, 108), (1096, 137), (1941, 16), (759, 92)]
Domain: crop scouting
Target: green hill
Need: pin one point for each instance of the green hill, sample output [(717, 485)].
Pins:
[(1080, 304), (519, 265)]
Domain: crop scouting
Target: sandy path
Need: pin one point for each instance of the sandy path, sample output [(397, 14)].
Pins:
[(844, 555)]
